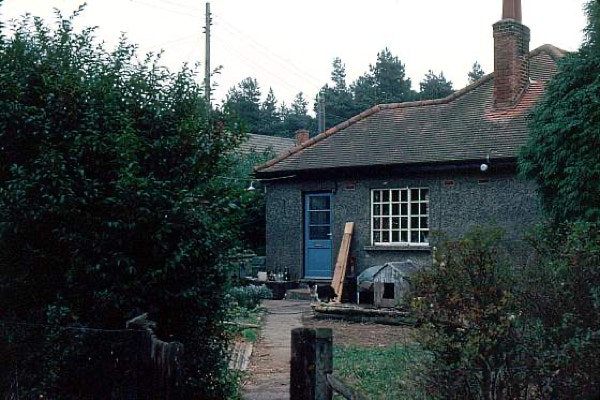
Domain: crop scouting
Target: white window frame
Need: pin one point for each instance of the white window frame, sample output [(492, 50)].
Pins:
[(393, 222)]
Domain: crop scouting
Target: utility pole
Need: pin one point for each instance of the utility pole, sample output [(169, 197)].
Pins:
[(207, 62), (321, 113)]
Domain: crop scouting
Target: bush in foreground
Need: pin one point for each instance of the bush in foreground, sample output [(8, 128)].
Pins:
[(496, 331), (111, 206), (560, 301), (466, 305)]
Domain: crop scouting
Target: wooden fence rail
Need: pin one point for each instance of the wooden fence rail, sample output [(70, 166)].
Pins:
[(311, 367), (160, 374)]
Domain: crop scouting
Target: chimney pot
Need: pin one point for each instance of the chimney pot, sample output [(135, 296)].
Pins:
[(302, 135), (511, 9)]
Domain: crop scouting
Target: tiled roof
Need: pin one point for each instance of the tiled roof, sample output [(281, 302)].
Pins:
[(461, 127), (262, 143)]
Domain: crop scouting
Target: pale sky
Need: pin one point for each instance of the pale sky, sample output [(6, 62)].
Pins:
[(289, 45)]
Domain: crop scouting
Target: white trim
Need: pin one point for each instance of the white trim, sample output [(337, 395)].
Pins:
[(408, 216)]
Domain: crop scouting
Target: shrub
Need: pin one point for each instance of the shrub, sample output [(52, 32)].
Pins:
[(466, 308), (496, 331), (112, 205), (560, 297), (249, 297)]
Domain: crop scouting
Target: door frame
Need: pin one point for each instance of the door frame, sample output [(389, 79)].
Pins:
[(305, 229)]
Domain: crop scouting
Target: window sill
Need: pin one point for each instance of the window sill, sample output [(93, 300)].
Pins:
[(397, 248)]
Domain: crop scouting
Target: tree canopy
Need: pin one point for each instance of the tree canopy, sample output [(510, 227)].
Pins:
[(339, 104), (562, 152), (243, 101), (435, 86), (270, 116), (243, 111), (476, 73), (389, 79), (296, 116), (363, 90), (385, 82), (111, 204)]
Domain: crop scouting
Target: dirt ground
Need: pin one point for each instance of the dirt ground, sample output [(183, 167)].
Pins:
[(268, 371), (361, 334)]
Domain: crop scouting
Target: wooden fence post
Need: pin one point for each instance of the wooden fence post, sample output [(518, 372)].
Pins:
[(323, 363), (312, 360), (302, 364)]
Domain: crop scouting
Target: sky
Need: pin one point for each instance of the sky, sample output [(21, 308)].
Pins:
[(289, 45)]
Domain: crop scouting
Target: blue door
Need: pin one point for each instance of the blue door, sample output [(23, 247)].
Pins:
[(317, 236)]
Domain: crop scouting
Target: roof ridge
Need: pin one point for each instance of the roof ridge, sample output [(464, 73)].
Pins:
[(555, 52), (269, 137)]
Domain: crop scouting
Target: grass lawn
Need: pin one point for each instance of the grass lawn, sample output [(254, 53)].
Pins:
[(381, 372)]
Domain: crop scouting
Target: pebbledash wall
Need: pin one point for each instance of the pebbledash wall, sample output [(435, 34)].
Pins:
[(457, 203)]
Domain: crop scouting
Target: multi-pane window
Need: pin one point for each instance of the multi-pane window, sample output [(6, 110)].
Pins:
[(319, 217), (400, 216)]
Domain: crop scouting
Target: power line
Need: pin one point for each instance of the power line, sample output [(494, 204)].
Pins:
[(266, 51), (237, 44), (287, 66), (259, 66), (233, 48), (281, 75)]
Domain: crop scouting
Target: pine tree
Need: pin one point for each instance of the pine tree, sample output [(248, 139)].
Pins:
[(338, 75), (242, 104), (476, 73), (364, 93), (435, 86), (338, 100), (389, 78), (296, 117), (386, 82), (270, 119)]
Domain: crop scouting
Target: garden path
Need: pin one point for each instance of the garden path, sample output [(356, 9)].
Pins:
[(269, 370)]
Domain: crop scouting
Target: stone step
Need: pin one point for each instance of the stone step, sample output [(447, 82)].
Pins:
[(298, 294)]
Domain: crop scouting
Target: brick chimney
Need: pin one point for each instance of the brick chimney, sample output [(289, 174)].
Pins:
[(302, 135), (511, 55)]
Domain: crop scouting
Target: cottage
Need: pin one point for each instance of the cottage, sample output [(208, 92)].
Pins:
[(264, 143), (403, 171)]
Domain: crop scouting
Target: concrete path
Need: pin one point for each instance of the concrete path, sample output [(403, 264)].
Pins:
[(269, 371)]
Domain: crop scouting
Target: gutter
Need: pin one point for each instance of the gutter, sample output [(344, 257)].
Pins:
[(469, 166)]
